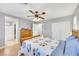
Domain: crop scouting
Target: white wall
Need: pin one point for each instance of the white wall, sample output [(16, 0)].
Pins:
[(25, 24), (76, 11), (2, 30)]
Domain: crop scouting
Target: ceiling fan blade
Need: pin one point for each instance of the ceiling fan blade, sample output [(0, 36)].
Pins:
[(41, 17), (43, 13), (30, 16), (26, 16), (31, 12)]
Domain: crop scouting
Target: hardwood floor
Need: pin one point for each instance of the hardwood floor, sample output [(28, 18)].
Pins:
[(10, 49)]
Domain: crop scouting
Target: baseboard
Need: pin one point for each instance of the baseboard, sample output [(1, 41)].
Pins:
[(2, 47)]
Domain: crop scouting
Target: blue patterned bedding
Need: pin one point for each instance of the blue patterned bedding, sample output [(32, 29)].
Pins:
[(37, 47)]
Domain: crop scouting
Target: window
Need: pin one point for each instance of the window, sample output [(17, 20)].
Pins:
[(75, 23)]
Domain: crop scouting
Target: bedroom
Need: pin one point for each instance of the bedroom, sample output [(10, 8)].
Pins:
[(20, 23)]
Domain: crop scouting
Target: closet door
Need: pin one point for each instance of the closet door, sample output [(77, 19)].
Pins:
[(61, 30), (56, 31)]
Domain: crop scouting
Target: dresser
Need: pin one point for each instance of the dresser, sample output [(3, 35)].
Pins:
[(25, 34)]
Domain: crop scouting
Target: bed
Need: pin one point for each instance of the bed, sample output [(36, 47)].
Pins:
[(38, 46)]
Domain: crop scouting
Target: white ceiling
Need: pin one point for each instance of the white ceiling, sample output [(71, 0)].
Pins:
[(53, 10)]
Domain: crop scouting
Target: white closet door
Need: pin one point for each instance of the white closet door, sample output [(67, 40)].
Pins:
[(61, 30), (55, 31)]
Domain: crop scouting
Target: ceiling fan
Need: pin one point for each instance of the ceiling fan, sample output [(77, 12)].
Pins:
[(37, 15)]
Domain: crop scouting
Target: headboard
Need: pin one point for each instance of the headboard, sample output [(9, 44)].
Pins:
[(25, 34), (76, 33)]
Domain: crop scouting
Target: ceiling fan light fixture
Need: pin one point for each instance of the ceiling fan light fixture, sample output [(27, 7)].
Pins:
[(38, 16), (36, 20)]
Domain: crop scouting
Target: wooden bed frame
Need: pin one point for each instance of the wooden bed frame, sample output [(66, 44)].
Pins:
[(76, 33)]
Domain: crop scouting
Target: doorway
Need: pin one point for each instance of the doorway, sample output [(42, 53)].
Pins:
[(11, 30)]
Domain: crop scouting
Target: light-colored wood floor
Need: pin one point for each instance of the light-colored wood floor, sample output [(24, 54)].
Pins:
[(11, 48)]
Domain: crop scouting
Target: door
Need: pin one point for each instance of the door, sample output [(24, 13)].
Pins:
[(61, 30), (9, 31)]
